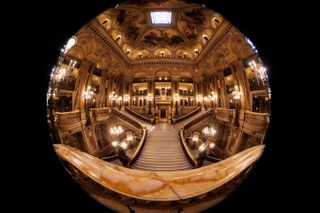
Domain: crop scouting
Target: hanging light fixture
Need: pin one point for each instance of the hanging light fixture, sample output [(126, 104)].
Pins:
[(116, 130), (259, 71), (209, 131)]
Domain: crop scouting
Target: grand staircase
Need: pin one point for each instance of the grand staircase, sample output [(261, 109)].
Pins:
[(162, 151)]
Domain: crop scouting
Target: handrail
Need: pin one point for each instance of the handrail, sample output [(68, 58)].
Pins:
[(110, 158), (213, 158), (183, 141), (159, 186), (197, 119), (134, 156), (149, 120), (176, 120), (135, 123), (187, 150), (143, 137)]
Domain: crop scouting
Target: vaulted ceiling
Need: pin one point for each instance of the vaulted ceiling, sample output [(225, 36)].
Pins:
[(131, 26)]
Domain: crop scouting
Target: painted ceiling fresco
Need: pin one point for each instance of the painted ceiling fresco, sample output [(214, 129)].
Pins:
[(132, 29)]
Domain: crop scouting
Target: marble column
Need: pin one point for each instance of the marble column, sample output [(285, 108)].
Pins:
[(244, 86), (224, 103), (109, 90), (101, 96), (215, 91), (80, 86)]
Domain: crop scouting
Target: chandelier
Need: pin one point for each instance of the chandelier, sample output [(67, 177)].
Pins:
[(259, 71), (116, 130), (236, 94), (209, 131)]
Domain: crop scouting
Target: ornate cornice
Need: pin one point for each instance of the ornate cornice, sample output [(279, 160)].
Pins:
[(162, 61), (213, 44), (96, 28)]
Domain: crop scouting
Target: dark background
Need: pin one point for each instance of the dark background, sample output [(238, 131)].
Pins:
[(46, 27)]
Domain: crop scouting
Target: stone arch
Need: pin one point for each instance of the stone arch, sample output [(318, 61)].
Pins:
[(140, 74), (162, 52), (161, 72), (245, 51), (87, 43), (77, 52), (186, 74)]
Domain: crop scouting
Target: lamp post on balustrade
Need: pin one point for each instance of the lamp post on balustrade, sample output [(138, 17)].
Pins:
[(120, 102), (87, 98), (126, 100), (177, 99), (213, 98), (149, 98), (206, 103), (236, 95)]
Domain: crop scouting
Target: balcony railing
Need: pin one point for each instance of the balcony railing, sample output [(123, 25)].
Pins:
[(125, 118), (158, 186), (68, 120), (225, 115), (189, 115), (146, 119), (100, 114), (185, 93), (255, 121), (163, 98)]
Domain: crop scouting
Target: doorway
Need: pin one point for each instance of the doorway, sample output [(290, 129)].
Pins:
[(163, 113)]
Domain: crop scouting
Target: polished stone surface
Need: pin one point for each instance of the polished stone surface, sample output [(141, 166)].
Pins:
[(159, 186)]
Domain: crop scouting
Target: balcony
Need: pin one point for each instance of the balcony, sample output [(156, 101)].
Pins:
[(68, 120), (255, 122), (100, 114), (225, 115), (140, 93), (163, 98), (185, 93)]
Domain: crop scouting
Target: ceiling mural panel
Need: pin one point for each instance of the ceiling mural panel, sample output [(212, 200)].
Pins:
[(162, 36), (131, 27)]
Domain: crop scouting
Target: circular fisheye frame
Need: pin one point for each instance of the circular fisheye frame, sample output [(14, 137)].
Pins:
[(157, 106)]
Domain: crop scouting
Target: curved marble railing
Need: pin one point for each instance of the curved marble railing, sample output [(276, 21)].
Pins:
[(190, 114), (159, 186)]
